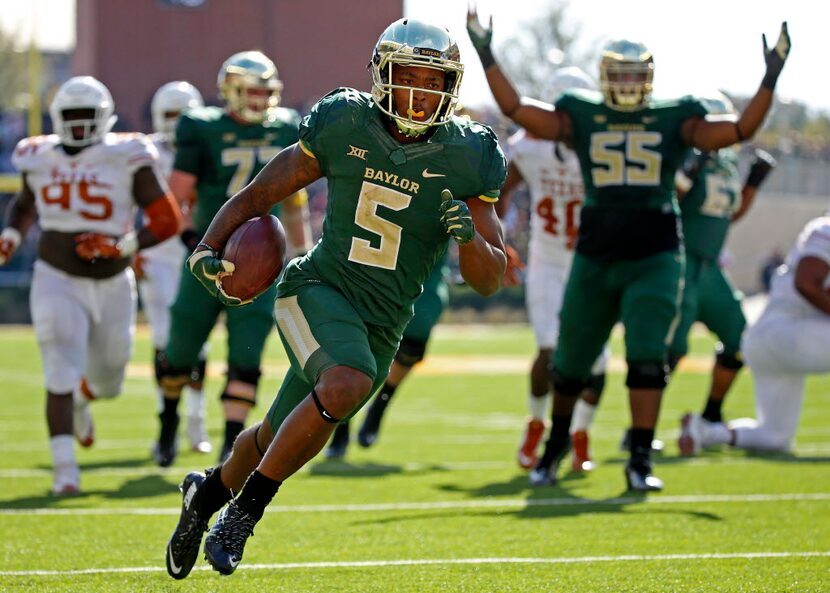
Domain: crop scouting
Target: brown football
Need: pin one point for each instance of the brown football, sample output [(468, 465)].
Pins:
[(257, 249)]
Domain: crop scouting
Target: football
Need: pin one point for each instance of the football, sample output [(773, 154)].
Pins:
[(257, 249)]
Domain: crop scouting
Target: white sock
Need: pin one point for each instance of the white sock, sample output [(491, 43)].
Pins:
[(63, 450), (195, 402), (716, 433), (583, 416), (537, 407)]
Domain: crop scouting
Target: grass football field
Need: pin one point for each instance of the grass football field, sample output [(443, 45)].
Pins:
[(438, 505)]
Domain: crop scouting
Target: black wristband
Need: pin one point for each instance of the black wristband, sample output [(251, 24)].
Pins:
[(770, 80), (190, 238), (486, 56)]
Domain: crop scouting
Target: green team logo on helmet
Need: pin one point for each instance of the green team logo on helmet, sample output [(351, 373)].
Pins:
[(626, 72), (408, 42)]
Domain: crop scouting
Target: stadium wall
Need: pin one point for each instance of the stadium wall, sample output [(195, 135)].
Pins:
[(135, 47)]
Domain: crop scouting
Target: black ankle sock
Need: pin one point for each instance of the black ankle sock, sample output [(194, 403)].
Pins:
[(257, 494), (386, 392), (169, 417), (640, 446), (558, 442), (232, 430), (212, 495), (712, 412)]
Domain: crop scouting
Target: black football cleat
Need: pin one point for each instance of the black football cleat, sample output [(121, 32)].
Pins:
[(369, 430), (226, 541), (640, 479), (339, 442), (183, 547)]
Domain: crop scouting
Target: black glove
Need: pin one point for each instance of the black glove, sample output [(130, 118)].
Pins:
[(761, 165), (775, 57), (481, 37), (190, 238)]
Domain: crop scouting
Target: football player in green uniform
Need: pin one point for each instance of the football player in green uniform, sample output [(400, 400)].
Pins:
[(629, 258), (427, 311), (218, 151), (711, 199), (404, 176)]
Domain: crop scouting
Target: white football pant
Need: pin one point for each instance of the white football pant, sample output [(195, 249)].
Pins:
[(84, 327)]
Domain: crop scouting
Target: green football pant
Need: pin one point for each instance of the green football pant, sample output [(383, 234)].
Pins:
[(644, 294), (194, 314), (709, 297), (320, 329)]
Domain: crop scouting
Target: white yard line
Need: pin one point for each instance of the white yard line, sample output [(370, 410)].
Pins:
[(515, 503), (440, 562)]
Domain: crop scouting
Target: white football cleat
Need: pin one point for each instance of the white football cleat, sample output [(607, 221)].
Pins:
[(197, 435), (66, 480)]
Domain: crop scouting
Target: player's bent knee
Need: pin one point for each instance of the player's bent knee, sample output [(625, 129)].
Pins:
[(410, 352), (340, 390), (596, 384), (728, 360), (647, 375), (170, 379), (246, 394), (567, 386)]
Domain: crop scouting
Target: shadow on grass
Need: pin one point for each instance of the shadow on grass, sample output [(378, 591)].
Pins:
[(142, 487), (341, 468)]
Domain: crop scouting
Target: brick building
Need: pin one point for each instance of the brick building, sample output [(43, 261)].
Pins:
[(136, 46)]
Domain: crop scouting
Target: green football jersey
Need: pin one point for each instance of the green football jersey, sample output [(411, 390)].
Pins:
[(708, 207), (628, 161), (382, 233), (628, 158), (225, 155)]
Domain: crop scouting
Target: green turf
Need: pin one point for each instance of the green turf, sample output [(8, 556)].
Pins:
[(437, 506)]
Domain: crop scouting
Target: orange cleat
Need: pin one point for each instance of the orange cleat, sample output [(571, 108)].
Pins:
[(533, 435), (580, 458)]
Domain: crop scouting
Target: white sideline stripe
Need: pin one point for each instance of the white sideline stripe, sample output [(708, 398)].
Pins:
[(439, 561), (453, 504)]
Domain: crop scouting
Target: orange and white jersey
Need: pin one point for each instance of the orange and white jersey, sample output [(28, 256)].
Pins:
[(166, 156), (91, 191), (556, 191)]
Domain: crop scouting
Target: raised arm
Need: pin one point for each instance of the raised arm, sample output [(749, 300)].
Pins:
[(537, 117), (712, 135)]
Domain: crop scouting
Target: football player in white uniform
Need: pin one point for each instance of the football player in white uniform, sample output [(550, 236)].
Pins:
[(551, 171), (786, 344), (159, 267), (84, 184)]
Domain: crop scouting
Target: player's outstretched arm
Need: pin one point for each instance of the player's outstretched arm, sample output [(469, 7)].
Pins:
[(20, 215), (711, 135), (535, 116), (761, 166), (475, 227)]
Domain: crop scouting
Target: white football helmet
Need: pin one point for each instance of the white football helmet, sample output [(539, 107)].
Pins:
[(570, 77), (168, 104), (626, 73), (409, 42), (82, 92), (250, 70)]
